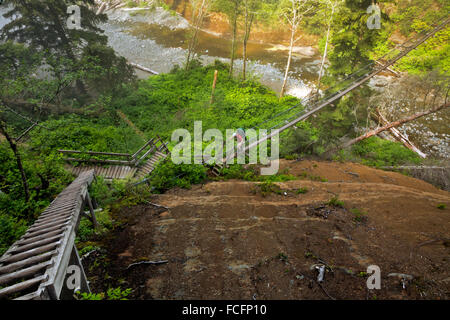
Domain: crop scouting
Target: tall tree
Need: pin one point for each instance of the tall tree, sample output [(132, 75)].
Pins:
[(199, 10), (352, 44), (329, 10), (251, 8), (293, 11), (233, 9), (13, 146), (43, 25)]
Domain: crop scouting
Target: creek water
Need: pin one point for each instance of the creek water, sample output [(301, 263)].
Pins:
[(158, 40)]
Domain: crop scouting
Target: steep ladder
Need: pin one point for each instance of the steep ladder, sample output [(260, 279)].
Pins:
[(36, 266)]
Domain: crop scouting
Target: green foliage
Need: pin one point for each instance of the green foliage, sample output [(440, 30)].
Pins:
[(46, 179), (11, 229), (416, 16), (237, 171), (106, 194), (352, 41), (86, 230), (87, 248), (335, 202), (268, 187), (302, 190), (441, 206), (109, 71), (359, 214), (378, 152), (301, 141), (167, 102), (80, 133), (41, 24), (169, 175), (111, 294)]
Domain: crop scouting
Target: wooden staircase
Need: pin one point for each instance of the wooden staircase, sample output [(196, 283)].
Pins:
[(150, 165), (138, 165), (217, 169)]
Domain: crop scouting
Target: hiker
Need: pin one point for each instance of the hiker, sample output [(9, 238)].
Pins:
[(240, 137)]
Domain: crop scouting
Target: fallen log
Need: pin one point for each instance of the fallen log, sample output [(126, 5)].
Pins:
[(102, 8), (394, 124), (138, 66), (400, 137)]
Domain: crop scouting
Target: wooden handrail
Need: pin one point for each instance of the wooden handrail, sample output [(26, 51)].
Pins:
[(127, 155), (142, 148), (153, 148), (106, 161)]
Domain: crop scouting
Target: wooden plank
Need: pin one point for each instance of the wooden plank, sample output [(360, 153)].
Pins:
[(21, 286), (107, 161), (152, 149), (29, 253), (37, 238), (65, 213), (50, 222), (37, 295), (44, 231), (36, 244), (48, 225), (24, 272), (23, 263)]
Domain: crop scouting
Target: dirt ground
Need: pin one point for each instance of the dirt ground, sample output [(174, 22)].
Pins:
[(225, 240)]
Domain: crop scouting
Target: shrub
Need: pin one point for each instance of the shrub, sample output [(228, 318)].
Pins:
[(302, 190), (11, 229), (169, 175), (335, 202), (111, 294), (268, 187), (359, 215), (378, 152)]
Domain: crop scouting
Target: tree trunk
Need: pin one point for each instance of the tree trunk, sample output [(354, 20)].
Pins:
[(325, 52), (198, 20), (13, 146), (394, 124), (288, 66), (248, 28), (398, 135), (233, 43)]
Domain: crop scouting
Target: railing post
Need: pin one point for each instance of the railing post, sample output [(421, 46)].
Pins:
[(91, 210)]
